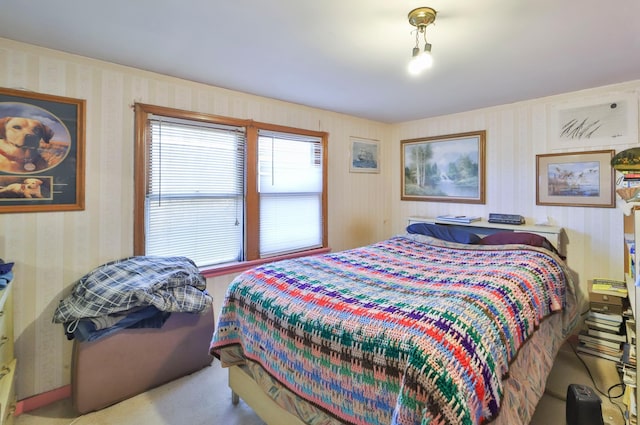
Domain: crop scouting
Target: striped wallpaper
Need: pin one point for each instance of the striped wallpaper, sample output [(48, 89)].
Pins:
[(53, 249)]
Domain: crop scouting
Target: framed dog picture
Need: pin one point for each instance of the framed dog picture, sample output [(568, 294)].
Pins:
[(41, 152)]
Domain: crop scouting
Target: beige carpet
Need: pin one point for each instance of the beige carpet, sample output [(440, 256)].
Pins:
[(568, 369), (203, 398)]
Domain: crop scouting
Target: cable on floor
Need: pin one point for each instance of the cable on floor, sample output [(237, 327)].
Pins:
[(595, 385)]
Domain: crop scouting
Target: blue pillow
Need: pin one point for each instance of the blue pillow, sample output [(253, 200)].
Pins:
[(446, 233)]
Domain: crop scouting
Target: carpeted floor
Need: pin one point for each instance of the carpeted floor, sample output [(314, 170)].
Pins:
[(204, 399), (568, 369)]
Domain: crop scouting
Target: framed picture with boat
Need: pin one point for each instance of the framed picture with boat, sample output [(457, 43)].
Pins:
[(365, 156)]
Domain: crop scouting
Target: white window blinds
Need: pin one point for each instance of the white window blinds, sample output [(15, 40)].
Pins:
[(290, 184), (194, 205)]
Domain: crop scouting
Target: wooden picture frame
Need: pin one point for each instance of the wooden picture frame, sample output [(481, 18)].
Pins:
[(41, 152), (365, 156), (447, 168), (578, 179), (601, 121)]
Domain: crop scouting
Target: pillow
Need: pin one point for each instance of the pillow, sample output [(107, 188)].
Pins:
[(446, 233), (503, 238)]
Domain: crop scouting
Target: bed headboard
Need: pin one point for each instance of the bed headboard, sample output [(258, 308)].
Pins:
[(483, 228)]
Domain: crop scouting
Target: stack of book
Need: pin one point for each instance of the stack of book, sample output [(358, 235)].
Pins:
[(608, 296), (603, 336), (457, 218), (606, 330), (615, 288), (629, 187), (630, 179)]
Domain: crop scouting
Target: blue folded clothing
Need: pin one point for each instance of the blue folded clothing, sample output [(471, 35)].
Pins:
[(5, 278), (87, 330), (5, 267)]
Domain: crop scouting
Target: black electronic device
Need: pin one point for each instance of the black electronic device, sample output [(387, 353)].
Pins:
[(584, 406), (506, 218)]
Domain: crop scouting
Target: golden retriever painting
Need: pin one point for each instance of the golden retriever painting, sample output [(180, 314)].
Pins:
[(20, 140), (28, 188), (32, 139)]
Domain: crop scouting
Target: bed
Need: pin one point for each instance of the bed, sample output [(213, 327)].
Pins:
[(413, 329)]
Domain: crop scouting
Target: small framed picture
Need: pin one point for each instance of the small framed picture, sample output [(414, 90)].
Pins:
[(579, 179), (365, 156)]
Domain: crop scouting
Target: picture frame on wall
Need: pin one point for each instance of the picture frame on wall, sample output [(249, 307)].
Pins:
[(365, 156), (607, 120), (448, 168), (42, 139), (579, 179)]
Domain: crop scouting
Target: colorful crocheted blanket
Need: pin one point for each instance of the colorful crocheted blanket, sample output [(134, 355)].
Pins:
[(404, 331)]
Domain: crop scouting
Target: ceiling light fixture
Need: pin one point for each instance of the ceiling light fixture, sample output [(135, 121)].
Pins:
[(421, 18)]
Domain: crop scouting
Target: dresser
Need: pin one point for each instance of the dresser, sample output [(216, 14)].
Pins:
[(8, 361)]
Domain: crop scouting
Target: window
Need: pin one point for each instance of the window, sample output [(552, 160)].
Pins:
[(290, 188), (222, 191)]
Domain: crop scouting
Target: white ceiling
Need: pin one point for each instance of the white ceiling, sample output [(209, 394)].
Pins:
[(350, 56)]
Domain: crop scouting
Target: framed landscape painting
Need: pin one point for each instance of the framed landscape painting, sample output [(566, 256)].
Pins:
[(447, 168), (579, 179)]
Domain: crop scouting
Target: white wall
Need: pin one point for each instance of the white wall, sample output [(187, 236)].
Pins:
[(52, 250)]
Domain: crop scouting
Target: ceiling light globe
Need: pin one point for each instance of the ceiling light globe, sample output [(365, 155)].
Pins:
[(419, 63), (426, 60)]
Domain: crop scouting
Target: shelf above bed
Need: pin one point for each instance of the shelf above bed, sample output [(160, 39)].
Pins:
[(483, 228)]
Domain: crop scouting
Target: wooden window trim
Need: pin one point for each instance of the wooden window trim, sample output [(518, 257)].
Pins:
[(252, 241)]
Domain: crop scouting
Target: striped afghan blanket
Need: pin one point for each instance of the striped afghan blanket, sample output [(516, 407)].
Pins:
[(410, 330)]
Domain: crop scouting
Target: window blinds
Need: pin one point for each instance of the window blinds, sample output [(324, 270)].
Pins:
[(290, 184), (195, 196)]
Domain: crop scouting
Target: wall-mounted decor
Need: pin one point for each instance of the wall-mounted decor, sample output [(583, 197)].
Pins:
[(444, 168), (603, 121), (579, 179), (365, 156), (41, 152)]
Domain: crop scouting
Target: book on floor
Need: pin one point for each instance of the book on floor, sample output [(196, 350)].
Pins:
[(607, 335), (581, 348), (583, 336), (616, 288), (629, 376), (617, 353), (628, 355), (593, 324), (605, 317)]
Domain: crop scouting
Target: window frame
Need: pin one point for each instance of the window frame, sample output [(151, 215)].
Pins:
[(252, 200)]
